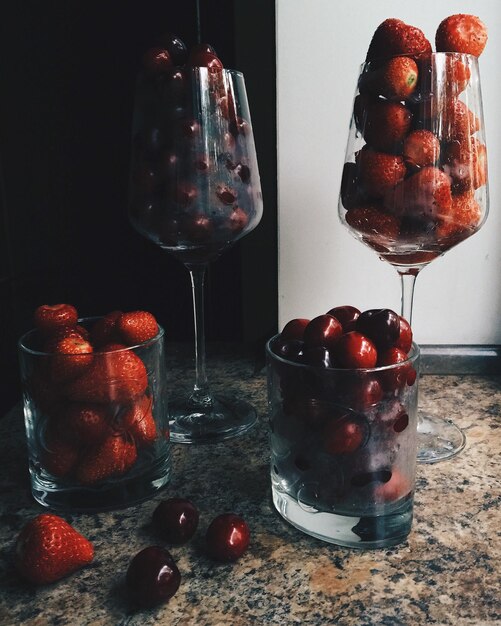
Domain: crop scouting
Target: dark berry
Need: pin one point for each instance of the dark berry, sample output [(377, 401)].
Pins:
[(176, 519), (152, 577)]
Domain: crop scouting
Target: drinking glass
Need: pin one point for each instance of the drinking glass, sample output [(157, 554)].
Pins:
[(415, 182), (195, 191)]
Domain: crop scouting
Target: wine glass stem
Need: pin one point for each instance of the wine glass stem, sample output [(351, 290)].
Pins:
[(201, 393), (407, 283)]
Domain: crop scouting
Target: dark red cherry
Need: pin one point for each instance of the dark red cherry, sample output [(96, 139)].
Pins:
[(396, 377), (198, 228), (363, 392), (205, 58), (157, 61), (176, 48), (323, 330), (176, 519), (294, 329), (404, 341), (238, 220), (243, 172), (227, 537), (185, 194), (152, 577), (353, 350), (290, 349), (381, 326), (239, 126), (316, 356), (345, 435), (226, 194), (393, 489), (190, 128), (347, 315)]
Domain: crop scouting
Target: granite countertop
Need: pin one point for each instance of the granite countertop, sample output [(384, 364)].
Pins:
[(447, 572)]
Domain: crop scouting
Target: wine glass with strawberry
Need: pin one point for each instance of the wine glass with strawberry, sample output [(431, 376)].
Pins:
[(415, 175), (195, 191)]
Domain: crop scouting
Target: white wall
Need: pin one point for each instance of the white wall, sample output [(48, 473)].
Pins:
[(320, 45)]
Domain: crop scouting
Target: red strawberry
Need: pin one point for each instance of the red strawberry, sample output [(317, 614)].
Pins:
[(379, 171), (421, 148), (386, 125), (113, 457), (136, 327), (49, 318), (424, 195), (458, 75), (395, 80), (45, 393), (84, 423), (59, 457), (466, 163), (56, 336), (372, 221), (48, 549), (480, 163), (72, 356), (394, 37), (104, 329), (459, 122), (463, 218), (117, 375), (138, 421), (461, 33)]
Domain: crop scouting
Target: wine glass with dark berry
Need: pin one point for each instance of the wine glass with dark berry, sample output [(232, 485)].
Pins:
[(195, 191), (415, 177)]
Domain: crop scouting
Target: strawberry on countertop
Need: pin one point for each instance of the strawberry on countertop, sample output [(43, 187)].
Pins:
[(48, 549)]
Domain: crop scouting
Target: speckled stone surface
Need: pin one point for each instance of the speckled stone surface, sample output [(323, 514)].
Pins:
[(447, 572)]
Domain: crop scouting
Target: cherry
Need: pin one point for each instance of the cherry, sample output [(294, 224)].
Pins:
[(157, 61), (365, 478), (152, 577), (382, 326), (176, 519), (354, 350), (316, 356), (294, 329), (190, 128), (290, 349), (404, 341), (395, 416), (176, 48), (345, 435), (226, 194), (394, 378), (227, 537), (239, 126), (347, 315), (185, 194), (243, 172), (324, 330), (238, 220), (205, 58), (393, 489), (363, 392), (198, 228)]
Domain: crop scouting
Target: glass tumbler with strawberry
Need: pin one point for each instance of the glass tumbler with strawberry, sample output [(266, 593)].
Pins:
[(195, 191), (415, 175)]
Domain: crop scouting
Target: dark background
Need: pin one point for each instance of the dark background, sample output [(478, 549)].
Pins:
[(67, 79)]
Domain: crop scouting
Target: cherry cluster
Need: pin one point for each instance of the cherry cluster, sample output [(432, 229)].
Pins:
[(153, 576)]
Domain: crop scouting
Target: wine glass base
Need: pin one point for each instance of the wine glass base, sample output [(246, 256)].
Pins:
[(226, 418), (438, 439)]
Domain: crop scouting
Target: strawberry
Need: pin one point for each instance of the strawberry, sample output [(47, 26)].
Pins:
[(84, 423), (59, 457), (112, 457), (49, 318), (421, 148), (480, 163), (59, 334), (386, 125), (466, 163), (117, 375), (458, 75), (104, 329), (372, 221), (138, 421), (463, 218), (461, 33), (424, 195), (72, 356), (394, 37), (48, 549), (395, 80), (378, 171), (136, 327), (45, 393), (459, 122)]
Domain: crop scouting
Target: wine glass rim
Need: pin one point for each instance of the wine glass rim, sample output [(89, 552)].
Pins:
[(24, 339), (411, 358), (226, 70), (421, 56)]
